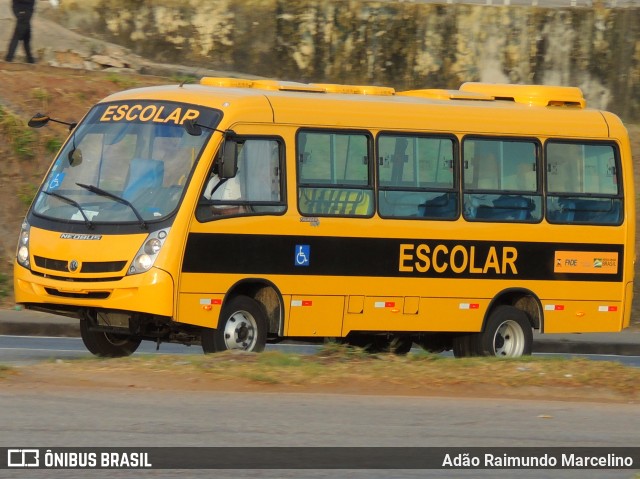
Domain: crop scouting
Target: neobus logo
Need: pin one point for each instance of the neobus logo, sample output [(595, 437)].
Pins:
[(80, 237), (459, 259)]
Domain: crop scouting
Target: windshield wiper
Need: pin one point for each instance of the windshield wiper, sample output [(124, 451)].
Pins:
[(87, 221), (101, 192)]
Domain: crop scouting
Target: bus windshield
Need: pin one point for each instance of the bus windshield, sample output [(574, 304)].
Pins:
[(126, 162)]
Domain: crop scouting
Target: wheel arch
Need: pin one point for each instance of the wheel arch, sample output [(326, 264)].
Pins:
[(521, 298), (269, 297)]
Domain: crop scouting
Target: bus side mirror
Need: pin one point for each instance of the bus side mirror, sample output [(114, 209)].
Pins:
[(75, 157), (228, 159), (192, 128), (38, 120)]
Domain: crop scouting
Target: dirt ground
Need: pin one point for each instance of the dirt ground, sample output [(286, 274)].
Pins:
[(105, 375)]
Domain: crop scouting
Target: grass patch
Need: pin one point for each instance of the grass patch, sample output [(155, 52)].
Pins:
[(185, 79), (22, 139), (5, 287), (43, 96), (27, 193), (122, 81), (341, 365), (5, 371), (23, 144), (52, 145)]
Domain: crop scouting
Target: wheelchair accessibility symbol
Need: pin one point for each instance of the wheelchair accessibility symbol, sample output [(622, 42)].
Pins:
[(302, 255), (56, 181)]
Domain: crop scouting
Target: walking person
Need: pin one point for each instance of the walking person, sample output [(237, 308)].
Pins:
[(23, 11)]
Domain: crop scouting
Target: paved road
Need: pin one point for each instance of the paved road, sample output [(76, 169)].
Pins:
[(626, 343), (24, 350), (135, 418)]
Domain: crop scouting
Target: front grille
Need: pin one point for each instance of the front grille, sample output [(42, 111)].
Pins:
[(88, 267), (102, 266), (75, 279), (64, 294), (54, 264)]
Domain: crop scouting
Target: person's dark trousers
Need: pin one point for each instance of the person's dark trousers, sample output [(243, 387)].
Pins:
[(21, 33)]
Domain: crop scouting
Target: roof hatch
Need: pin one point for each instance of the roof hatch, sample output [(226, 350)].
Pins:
[(541, 95), (447, 94)]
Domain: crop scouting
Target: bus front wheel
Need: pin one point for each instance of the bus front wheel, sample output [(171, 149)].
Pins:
[(242, 326), (107, 345)]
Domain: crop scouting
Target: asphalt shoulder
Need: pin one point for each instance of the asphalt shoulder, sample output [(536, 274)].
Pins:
[(21, 322)]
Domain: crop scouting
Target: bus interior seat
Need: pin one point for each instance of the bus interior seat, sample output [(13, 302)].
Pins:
[(143, 175), (330, 201), (588, 211), (506, 207), (565, 213), (443, 206)]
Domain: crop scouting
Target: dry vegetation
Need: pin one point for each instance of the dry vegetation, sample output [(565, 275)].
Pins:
[(338, 369)]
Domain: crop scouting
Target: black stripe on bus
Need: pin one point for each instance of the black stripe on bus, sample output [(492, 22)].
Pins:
[(386, 257)]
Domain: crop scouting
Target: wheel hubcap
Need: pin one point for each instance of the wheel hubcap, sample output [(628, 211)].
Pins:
[(509, 340), (240, 331)]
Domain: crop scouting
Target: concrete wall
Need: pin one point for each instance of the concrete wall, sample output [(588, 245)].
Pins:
[(399, 44)]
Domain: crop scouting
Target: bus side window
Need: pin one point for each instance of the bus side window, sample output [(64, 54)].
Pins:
[(583, 184), (334, 177), (416, 177), (501, 180)]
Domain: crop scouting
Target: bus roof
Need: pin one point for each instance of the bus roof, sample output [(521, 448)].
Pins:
[(474, 108)]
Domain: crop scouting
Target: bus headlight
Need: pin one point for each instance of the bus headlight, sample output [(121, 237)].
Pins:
[(143, 262), (22, 252), (148, 252), (152, 246)]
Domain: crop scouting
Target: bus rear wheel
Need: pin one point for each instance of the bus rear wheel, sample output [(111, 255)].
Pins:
[(242, 326), (107, 345), (507, 334)]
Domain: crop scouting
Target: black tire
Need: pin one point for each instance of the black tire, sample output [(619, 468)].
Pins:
[(375, 343), (108, 345), (465, 345), (507, 334), (242, 325), (400, 345)]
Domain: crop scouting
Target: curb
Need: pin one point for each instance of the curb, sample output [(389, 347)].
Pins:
[(626, 343), (545, 345), (66, 329)]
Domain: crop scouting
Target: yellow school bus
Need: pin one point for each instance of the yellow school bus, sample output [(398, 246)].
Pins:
[(235, 213)]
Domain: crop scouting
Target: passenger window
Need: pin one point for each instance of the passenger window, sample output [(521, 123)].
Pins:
[(583, 184), (334, 174), (416, 177), (257, 187), (500, 179)]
